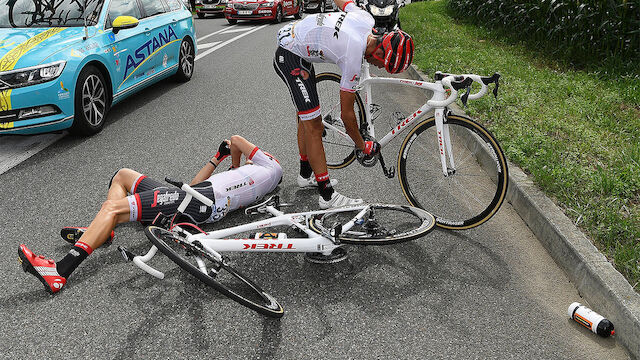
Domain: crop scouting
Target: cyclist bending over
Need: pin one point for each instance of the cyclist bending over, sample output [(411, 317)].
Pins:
[(237, 187), (342, 39)]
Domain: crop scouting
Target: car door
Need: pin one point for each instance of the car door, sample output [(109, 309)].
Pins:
[(160, 32), (181, 24), (124, 45)]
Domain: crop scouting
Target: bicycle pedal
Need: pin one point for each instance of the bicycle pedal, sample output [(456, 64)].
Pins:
[(391, 172)]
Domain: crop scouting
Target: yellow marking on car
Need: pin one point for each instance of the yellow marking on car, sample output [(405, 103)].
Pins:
[(10, 59), (3, 45), (145, 60)]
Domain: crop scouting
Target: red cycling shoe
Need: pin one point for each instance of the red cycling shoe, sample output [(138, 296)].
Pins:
[(44, 269), (72, 234)]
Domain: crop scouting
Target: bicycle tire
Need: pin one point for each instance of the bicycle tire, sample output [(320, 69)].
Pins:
[(464, 199), (407, 223), (171, 245), (339, 151)]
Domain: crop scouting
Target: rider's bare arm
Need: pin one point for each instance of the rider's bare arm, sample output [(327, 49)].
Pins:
[(347, 100), (239, 146), (341, 3)]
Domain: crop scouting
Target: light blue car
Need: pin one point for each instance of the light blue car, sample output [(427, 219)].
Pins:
[(64, 63)]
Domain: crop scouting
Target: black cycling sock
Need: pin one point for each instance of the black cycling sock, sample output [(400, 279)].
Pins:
[(305, 169), (71, 261), (325, 189)]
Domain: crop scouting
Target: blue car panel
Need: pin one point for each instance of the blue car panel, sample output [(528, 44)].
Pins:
[(40, 66)]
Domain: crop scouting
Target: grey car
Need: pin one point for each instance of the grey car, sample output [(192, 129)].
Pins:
[(319, 5)]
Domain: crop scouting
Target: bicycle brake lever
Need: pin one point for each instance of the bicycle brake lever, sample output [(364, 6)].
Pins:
[(495, 89), (465, 96)]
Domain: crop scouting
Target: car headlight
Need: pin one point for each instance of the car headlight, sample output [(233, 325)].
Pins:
[(31, 75), (386, 11), (229, 5), (267, 4)]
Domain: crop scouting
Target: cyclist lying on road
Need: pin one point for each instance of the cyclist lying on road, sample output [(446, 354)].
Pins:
[(342, 39), (237, 187)]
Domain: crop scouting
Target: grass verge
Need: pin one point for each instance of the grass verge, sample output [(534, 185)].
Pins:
[(576, 132)]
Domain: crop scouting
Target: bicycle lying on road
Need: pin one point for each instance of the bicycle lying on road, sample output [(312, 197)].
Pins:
[(448, 164), (325, 230)]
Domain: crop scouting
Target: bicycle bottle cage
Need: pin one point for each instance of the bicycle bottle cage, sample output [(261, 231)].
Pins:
[(261, 208)]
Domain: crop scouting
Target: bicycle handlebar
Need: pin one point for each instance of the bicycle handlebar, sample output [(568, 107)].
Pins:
[(457, 82), (189, 190)]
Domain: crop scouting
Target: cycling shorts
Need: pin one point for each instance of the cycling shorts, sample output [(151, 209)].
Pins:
[(293, 69), (151, 197)]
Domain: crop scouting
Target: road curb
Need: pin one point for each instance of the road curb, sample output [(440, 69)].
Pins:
[(605, 290)]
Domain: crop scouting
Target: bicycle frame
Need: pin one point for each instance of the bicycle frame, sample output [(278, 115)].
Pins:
[(438, 102), (218, 241)]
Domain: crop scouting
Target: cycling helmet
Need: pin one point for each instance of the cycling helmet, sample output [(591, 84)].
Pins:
[(398, 51)]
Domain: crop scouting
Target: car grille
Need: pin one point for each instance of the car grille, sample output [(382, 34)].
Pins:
[(209, 2), (240, 6), (8, 116)]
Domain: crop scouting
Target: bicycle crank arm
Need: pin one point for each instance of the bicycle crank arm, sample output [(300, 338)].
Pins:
[(388, 172)]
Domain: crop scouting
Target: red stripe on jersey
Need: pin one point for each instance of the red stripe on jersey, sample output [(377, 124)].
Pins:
[(253, 153), (271, 156), (345, 5)]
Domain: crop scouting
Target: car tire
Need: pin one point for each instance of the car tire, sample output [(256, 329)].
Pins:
[(298, 14), (200, 16), (91, 102), (186, 61), (322, 7), (232, 21), (279, 16)]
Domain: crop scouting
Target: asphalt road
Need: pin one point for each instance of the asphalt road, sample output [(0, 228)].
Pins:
[(491, 292)]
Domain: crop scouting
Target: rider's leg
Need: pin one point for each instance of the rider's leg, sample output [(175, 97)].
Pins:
[(315, 152), (121, 183), (305, 166)]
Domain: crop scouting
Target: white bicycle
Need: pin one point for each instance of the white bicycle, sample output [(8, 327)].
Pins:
[(324, 231), (448, 164)]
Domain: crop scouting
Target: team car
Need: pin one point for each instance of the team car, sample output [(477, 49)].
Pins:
[(319, 5), (262, 10), (210, 7), (64, 63)]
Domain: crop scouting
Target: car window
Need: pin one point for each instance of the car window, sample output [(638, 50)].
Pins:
[(152, 7), (174, 5), (123, 8)]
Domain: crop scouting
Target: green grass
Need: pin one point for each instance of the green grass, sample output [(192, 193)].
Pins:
[(577, 132)]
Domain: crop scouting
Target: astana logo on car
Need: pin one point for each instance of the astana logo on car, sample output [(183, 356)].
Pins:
[(148, 49)]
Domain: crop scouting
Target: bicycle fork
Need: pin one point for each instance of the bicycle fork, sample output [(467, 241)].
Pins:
[(444, 143)]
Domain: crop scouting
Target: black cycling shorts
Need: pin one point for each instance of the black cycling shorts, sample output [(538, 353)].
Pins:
[(151, 197), (293, 69)]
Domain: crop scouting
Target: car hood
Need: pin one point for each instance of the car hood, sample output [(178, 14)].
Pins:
[(26, 47)]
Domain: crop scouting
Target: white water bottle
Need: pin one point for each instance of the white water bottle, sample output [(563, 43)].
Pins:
[(590, 319)]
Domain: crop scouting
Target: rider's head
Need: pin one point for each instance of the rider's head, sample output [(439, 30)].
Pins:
[(394, 51)]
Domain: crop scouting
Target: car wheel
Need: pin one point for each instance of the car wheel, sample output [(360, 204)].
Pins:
[(323, 6), (185, 61), (278, 18), (91, 102), (200, 15), (232, 21), (298, 15)]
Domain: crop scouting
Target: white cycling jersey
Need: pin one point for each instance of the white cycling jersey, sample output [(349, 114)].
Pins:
[(338, 38)]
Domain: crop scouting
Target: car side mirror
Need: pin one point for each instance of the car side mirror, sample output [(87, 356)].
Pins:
[(124, 22)]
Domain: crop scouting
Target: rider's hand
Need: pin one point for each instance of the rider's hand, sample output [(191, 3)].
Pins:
[(224, 150)]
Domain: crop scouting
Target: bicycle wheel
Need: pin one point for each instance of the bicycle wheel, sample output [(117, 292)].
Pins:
[(381, 225), (468, 196), (220, 275), (338, 150)]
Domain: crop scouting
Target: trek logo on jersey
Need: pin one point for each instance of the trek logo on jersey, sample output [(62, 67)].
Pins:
[(164, 199), (148, 48), (339, 24), (303, 90)]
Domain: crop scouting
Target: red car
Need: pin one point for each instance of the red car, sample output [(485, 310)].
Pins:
[(262, 10)]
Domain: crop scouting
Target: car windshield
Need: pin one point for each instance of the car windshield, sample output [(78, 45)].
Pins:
[(49, 13)]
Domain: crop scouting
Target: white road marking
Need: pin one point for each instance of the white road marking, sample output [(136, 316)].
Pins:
[(207, 52), (208, 45), (215, 32), (16, 149), (229, 31)]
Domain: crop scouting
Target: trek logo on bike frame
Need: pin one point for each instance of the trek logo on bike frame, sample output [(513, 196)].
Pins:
[(406, 121), (267, 246)]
